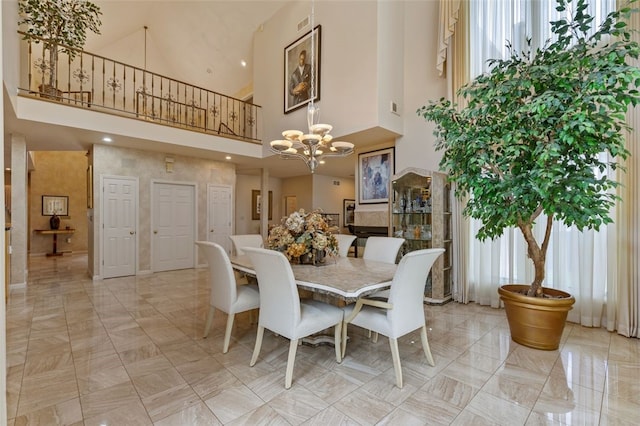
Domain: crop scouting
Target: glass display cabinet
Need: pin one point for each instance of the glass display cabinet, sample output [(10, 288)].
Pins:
[(421, 214)]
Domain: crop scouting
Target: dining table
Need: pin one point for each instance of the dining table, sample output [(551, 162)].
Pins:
[(346, 278), (343, 279)]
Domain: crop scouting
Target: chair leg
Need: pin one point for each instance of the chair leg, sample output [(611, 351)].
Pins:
[(256, 348), (344, 339), (227, 333), (207, 326), (425, 346), (293, 347), (395, 354), (338, 342)]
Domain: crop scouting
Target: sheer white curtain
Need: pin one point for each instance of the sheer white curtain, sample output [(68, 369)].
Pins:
[(624, 277), (576, 261)]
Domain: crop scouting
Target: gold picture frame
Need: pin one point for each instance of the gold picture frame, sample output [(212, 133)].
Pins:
[(90, 187), (256, 204)]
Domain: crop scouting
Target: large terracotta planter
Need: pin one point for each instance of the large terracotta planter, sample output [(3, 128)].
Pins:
[(536, 322)]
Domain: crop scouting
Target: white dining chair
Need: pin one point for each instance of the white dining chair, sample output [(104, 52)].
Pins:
[(246, 240), (382, 249), (344, 243), (225, 294), (404, 310), (281, 310)]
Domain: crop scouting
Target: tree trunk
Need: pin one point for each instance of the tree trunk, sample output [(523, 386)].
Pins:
[(53, 61), (537, 256)]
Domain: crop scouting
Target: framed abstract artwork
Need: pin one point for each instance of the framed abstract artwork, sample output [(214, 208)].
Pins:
[(374, 171)]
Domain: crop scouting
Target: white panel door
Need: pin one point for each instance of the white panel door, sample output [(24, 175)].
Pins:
[(173, 224), (119, 206), (219, 215)]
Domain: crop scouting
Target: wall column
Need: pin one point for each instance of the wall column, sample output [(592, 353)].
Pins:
[(19, 222), (264, 208)]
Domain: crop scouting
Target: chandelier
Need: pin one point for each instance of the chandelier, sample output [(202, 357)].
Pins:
[(312, 146)]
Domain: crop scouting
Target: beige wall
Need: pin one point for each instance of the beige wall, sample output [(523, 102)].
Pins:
[(149, 166), (244, 185), (302, 188), (59, 173), (329, 193)]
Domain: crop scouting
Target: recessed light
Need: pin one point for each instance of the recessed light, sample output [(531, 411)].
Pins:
[(243, 63), (228, 157), (107, 139)]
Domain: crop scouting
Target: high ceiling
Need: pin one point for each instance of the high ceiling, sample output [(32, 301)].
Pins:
[(211, 38)]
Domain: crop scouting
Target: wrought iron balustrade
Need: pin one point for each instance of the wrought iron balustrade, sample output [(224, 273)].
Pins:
[(87, 80)]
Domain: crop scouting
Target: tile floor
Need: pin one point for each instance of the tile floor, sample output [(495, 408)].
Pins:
[(129, 351)]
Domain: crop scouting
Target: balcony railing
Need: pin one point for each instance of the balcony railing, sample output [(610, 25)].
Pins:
[(86, 80)]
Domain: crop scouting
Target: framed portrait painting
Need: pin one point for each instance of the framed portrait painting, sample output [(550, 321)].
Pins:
[(298, 77), (375, 170)]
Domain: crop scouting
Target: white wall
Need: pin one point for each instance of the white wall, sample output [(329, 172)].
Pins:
[(416, 147), (348, 75), (391, 64)]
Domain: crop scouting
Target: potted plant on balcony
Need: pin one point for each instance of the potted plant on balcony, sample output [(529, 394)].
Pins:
[(530, 141), (61, 25)]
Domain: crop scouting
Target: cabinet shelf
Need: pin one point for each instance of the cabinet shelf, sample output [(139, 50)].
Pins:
[(420, 198)]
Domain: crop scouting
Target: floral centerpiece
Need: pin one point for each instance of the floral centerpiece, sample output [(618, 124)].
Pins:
[(303, 237)]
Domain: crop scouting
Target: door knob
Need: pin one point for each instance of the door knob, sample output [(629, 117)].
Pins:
[(155, 232), (131, 232), (211, 230)]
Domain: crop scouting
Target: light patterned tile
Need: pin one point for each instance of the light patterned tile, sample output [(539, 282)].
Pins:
[(233, 402), (364, 407), (170, 401), (102, 379), (400, 416), (63, 413), (297, 404), (130, 414), (619, 411), (62, 328), (331, 387), (515, 384), (195, 415), (485, 408), (47, 389), (263, 415), (107, 400), (426, 406), (157, 382), (331, 416), (623, 380)]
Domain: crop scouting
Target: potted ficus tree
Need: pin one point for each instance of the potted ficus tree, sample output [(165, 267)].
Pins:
[(528, 146), (61, 25)]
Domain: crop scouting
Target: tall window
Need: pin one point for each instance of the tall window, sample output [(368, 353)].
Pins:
[(576, 261)]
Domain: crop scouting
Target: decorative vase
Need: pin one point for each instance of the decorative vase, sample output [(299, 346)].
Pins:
[(536, 322), (54, 222), (315, 257)]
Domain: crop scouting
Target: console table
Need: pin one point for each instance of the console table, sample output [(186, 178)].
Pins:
[(55, 233)]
